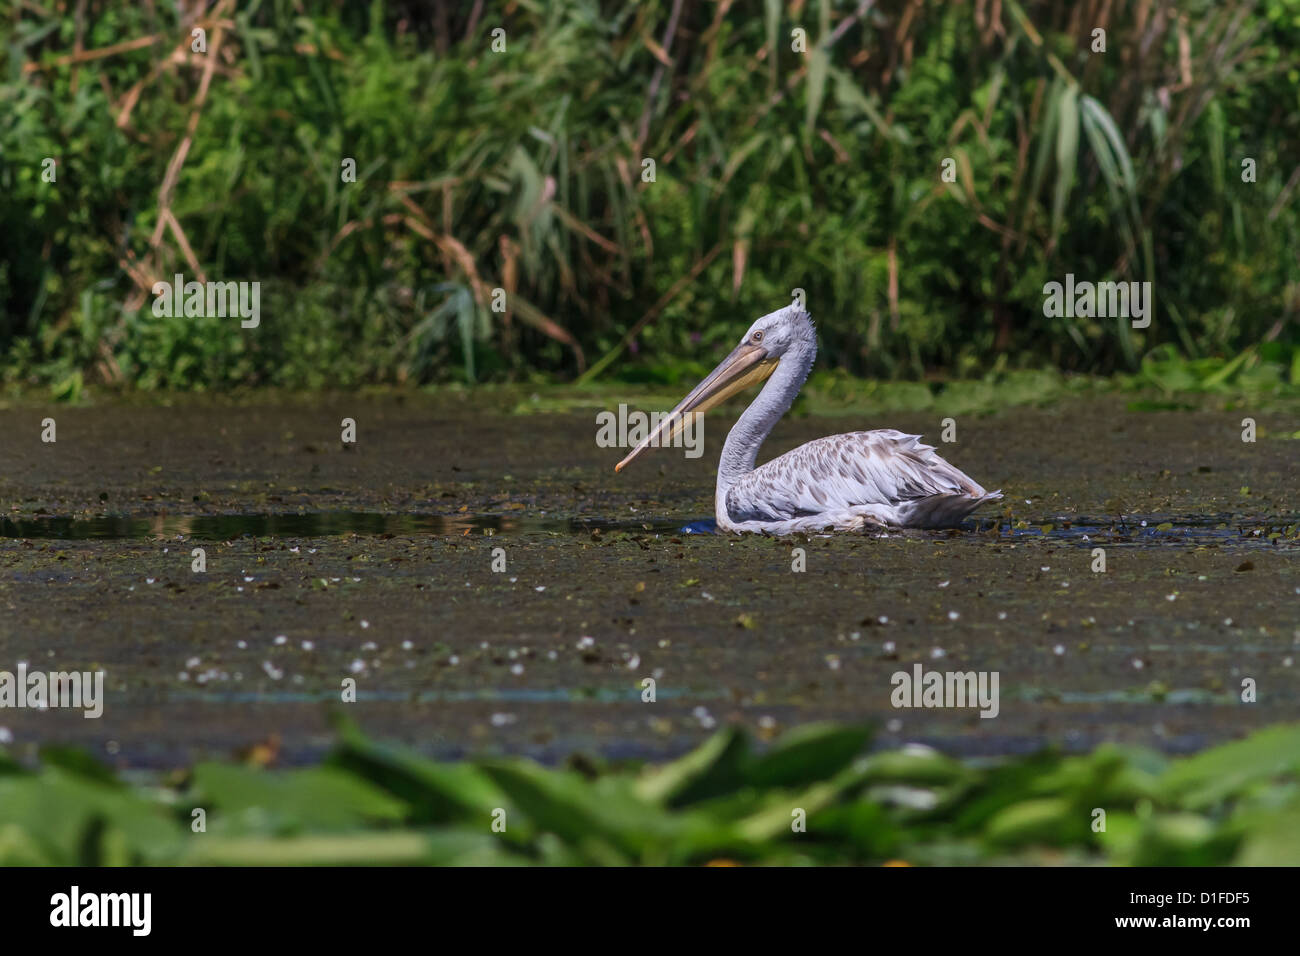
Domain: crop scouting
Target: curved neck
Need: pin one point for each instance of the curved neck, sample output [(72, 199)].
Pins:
[(753, 427)]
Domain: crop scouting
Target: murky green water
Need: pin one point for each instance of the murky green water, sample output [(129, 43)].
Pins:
[(382, 563)]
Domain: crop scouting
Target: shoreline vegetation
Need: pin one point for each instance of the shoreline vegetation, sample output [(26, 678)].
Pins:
[(579, 192), (1256, 380)]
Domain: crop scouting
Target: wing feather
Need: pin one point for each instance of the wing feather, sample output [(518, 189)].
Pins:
[(883, 467)]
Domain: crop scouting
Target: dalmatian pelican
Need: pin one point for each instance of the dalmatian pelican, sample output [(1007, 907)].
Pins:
[(852, 482)]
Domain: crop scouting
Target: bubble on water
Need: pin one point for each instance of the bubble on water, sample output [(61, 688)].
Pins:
[(1138, 663), (944, 584), (271, 670), (193, 662), (540, 587), (634, 662), (307, 645), (586, 642), (407, 645), (953, 615), (1058, 650), (501, 720), (357, 666), (517, 669), (937, 652), (894, 726), (281, 639), (241, 644)]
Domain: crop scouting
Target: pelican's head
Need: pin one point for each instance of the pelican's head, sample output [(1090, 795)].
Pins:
[(751, 362)]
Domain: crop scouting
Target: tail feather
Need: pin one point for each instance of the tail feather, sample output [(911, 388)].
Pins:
[(943, 511)]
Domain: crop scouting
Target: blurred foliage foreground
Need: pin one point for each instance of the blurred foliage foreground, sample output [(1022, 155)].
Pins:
[(504, 146), (811, 797)]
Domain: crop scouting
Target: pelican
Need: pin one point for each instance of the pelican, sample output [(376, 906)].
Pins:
[(853, 482)]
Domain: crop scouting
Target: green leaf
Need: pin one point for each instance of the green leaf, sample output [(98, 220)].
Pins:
[(451, 847), (818, 67), (1184, 839), (1214, 775), (808, 754), (435, 792), (1067, 148), (1271, 838), (715, 767), (1048, 820), (76, 822), (316, 798)]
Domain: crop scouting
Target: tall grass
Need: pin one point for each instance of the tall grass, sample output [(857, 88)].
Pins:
[(522, 170)]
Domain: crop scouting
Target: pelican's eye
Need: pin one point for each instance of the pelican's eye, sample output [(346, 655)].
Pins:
[(757, 336)]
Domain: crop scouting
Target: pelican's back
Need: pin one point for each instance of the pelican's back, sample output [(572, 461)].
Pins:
[(889, 476)]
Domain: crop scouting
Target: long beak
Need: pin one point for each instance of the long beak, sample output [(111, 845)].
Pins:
[(745, 367)]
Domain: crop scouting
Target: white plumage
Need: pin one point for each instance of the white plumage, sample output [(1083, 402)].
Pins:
[(852, 481), (846, 482)]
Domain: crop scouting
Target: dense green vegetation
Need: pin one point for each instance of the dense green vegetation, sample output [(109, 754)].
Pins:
[(811, 797), (523, 170)]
